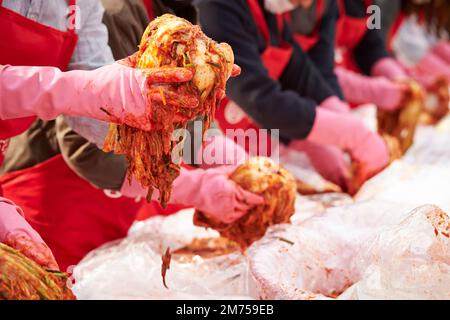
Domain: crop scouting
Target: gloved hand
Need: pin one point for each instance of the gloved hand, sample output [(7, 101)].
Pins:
[(329, 161), (134, 189), (359, 89), (389, 68), (348, 133), (18, 234), (212, 192), (429, 68), (442, 50), (218, 150), (335, 104), (116, 92)]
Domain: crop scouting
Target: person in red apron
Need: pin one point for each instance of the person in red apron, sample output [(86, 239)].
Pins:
[(359, 48), (279, 87), (363, 50), (427, 58), (314, 29), (44, 90), (14, 229)]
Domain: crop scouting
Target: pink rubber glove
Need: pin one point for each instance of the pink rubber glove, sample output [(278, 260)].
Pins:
[(112, 93), (329, 161), (349, 134), (335, 104), (218, 150), (359, 89), (389, 68), (18, 234), (211, 192), (133, 189), (442, 50), (429, 68)]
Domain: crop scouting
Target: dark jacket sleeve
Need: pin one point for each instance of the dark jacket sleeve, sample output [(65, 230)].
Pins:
[(322, 54), (288, 104), (372, 47)]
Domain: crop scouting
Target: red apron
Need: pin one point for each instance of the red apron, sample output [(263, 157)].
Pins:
[(349, 33), (149, 6), (29, 43), (275, 59), (307, 42), (72, 216)]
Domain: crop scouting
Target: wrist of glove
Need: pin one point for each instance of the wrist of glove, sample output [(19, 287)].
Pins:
[(430, 66), (133, 189), (335, 104), (218, 150), (390, 69), (18, 234), (359, 89), (212, 192), (348, 133), (442, 49)]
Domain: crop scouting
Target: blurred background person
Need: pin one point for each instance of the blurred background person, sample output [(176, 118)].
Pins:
[(281, 88)]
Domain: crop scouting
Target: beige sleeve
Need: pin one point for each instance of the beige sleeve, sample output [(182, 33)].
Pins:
[(104, 170)]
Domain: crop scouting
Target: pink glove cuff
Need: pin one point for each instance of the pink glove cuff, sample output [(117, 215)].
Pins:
[(219, 151), (335, 129), (442, 49), (433, 65), (12, 221), (47, 92), (335, 104), (133, 189), (389, 68), (360, 89)]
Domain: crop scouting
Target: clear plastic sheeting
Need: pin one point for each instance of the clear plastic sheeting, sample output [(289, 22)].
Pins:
[(175, 231), (408, 261), (422, 176), (314, 259), (131, 268), (386, 243), (321, 256)]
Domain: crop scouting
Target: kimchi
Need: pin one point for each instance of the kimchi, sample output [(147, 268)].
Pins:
[(278, 188), (170, 42)]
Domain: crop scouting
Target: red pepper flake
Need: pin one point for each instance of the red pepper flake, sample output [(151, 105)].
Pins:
[(166, 258)]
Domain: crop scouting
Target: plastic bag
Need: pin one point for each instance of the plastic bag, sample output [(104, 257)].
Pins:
[(408, 261), (131, 268), (313, 259), (420, 177), (371, 248)]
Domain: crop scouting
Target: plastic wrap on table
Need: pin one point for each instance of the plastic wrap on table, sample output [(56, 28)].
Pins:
[(313, 259), (131, 268), (421, 176), (174, 231), (408, 261), (309, 181), (368, 247)]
